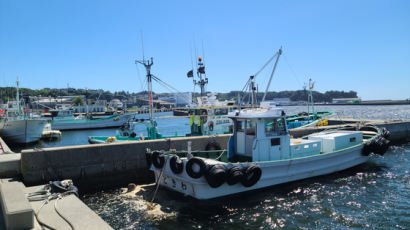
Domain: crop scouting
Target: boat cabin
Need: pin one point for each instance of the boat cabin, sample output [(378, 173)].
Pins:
[(210, 120), (261, 134)]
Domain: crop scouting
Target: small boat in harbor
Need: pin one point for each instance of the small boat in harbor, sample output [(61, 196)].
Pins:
[(49, 134), (21, 130), (17, 125), (260, 154), (65, 120)]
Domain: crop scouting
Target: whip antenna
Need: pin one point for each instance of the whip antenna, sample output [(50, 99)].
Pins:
[(142, 44)]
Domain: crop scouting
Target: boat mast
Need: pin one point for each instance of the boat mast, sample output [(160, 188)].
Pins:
[(310, 96), (253, 89), (147, 64), (273, 71), (86, 102), (203, 81), (18, 97)]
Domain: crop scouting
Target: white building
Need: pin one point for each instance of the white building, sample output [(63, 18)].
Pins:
[(116, 104)]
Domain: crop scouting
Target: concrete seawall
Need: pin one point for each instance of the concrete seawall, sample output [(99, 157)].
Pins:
[(102, 163)]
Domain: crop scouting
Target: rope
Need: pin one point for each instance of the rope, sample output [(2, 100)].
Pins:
[(46, 195), (157, 185), (267, 63), (292, 70), (64, 218), (219, 157)]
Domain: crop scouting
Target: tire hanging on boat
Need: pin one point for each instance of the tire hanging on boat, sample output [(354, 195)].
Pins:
[(176, 165), (251, 175), (379, 145), (215, 175), (158, 159), (234, 175), (385, 133), (213, 145), (189, 167)]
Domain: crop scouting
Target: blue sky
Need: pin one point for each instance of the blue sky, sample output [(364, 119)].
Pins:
[(342, 45)]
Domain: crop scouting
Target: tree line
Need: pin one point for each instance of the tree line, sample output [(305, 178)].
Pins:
[(9, 93)]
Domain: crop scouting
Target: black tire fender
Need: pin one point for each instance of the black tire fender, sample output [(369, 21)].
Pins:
[(176, 165), (189, 167), (215, 175), (213, 145), (158, 159), (251, 175), (234, 175), (367, 149)]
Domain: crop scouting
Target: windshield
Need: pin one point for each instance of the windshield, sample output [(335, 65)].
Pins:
[(275, 126), (247, 126)]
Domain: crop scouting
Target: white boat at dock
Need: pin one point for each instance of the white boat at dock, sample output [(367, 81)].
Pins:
[(49, 134), (22, 130), (65, 120), (18, 125), (260, 154)]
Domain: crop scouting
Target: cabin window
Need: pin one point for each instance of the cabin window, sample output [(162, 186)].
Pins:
[(240, 125), (247, 126), (353, 139), (221, 111), (250, 127), (275, 126), (274, 141), (197, 112)]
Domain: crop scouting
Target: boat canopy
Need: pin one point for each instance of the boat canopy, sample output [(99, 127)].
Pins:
[(257, 113)]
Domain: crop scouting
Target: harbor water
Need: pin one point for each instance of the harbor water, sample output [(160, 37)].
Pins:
[(373, 195)]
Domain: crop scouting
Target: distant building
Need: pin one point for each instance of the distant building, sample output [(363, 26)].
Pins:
[(116, 104), (182, 99), (282, 101), (346, 100), (170, 98), (91, 108)]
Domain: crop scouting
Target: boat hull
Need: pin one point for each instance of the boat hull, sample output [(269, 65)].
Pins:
[(273, 173), (111, 122), (22, 131)]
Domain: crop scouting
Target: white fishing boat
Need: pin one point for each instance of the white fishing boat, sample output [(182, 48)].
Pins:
[(17, 125), (22, 130), (261, 153), (65, 120)]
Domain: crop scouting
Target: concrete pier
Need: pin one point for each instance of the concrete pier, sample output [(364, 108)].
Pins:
[(64, 212), (102, 163)]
